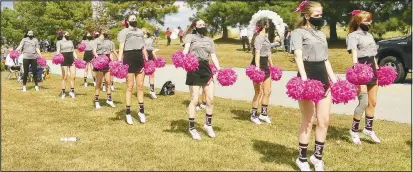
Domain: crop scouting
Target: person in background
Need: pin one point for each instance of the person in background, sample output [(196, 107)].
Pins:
[(156, 33), (287, 37), (168, 36), (243, 34), (180, 34), (5, 51)]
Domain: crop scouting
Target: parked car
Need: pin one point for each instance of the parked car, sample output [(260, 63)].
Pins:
[(396, 52)]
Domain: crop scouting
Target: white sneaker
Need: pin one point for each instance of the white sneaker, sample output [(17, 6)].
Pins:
[(303, 166), (86, 84), (72, 95), (112, 88), (36, 88), (209, 130), (110, 103), (195, 135), (129, 119), (265, 118), (372, 135), (104, 89), (255, 120), (197, 108), (142, 117), (24, 89), (153, 95), (318, 164), (202, 106), (355, 137), (97, 105), (63, 96)]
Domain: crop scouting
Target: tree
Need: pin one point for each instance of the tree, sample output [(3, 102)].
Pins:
[(10, 31)]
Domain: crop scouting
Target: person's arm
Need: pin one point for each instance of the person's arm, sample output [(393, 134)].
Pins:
[(74, 51), (296, 45), (121, 47), (145, 53), (257, 45), (354, 55), (58, 47), (20, 46), (214, 56), (270, 60), (352, 42), (94, 48), (187, 42), (38, 49), (330, 72)]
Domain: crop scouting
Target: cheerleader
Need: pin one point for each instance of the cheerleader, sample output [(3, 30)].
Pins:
[(361, 44), (203, 47), (113, 51), (88, 56), (29, 48), (65, 46), (102, 47), (261, 51), (149, 45), (309, 44), (132, 52)]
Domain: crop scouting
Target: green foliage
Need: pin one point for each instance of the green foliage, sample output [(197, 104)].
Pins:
[(2, 65)]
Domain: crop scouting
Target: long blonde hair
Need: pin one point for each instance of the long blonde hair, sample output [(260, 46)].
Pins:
[(357, 19), (308, 9)]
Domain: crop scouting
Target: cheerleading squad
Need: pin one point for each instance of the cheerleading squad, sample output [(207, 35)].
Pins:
[(316, 87)]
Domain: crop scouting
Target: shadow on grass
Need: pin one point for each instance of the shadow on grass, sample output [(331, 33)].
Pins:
[(186, 102), (336, 133), (276, 153), (102, 102), (241, 114), (228, 41), (121, 115), (409, 143), (181, 126), (32, 88)]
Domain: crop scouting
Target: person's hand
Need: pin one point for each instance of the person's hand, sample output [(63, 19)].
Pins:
[(334, 79), (257, 68), (303, 78)]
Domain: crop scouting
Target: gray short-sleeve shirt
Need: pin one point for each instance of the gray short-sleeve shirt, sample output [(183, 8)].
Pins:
[(262, 44), (132, 37), (201, 46), (149, 43), (88, 44), (29, 47), (65, 46), (363, 41), (312, 42), (102, 46)]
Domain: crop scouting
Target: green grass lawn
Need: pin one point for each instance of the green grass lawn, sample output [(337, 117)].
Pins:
[(33, 122)]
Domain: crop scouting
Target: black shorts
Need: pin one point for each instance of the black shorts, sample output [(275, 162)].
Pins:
[(133, 58), (263, 65), (201, 77), (317, 71), (105, 69), (150, 55), (68, 59), (371, 61), (88, 56)]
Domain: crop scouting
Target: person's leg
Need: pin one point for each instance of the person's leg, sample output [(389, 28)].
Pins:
[(65, 71), (304, 133), (266, 85), (25, 72), (140, 77), (323, 108), (33, 64), (99, 76), (372, 100), (209, 94), (72, 80), (108, 79), (130, 79), (255, 102), (93, 73), (358, 113), (194, 91)]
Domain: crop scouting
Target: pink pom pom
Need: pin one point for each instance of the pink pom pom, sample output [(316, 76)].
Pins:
[(160, 62), (255, 75), (41, 61), (227, 77), (100, 62), (118, 70), (80, 64), (58, 59), (178, 58), (213, 69), (191, 62), (276, 73), (81, 47), (359, 74), (295, 88), (386, 75), (14, 54), (150, 67), (314, 90), (343, 91)]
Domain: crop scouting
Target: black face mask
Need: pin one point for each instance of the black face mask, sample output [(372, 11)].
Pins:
[(201, 30), (67, 37), (317, 22), (133, 23), (89, 37), (31, 37), (106, 36), (364, 27)]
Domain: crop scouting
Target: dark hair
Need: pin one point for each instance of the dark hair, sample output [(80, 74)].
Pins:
[(271, 31), (126, 19), (60, 35), (192, 26), (85, 36), (148, 34), (25, 35), (261, 24), (179, 27)]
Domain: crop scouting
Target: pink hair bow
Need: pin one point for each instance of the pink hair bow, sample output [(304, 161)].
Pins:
[(124, 23), (355, 12), (59, 31), (301, 6)]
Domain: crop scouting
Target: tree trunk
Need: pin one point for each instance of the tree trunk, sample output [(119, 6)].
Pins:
[(333, 29), (224, 32)]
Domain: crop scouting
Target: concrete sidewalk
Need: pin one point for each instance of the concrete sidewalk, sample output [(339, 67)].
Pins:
[(394, 102)]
